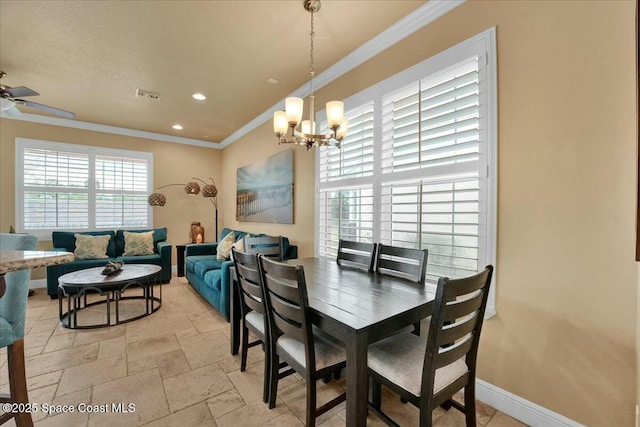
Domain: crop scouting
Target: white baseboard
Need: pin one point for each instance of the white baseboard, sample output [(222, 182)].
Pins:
[(38, 284), (521, 409)]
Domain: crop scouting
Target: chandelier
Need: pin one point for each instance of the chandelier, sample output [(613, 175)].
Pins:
[(289, 119)]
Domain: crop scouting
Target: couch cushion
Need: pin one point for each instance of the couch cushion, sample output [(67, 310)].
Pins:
[(67, 241), (138, 243), (159, 235), (193, 260), (81, 264), (212, 279), (91, 247), (202, 266)]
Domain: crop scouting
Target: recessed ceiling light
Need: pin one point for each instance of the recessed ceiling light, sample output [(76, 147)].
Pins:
[(273, 81), (199, 96), (177, 127)]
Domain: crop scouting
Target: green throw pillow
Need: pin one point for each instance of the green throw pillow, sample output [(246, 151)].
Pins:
[(91, 247), (138, 243), (224, 246)]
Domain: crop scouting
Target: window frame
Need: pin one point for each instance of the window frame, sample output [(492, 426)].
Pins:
[(483, 45), (92, 152)]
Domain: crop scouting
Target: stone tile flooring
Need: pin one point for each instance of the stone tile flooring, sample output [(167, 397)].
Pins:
[(175, 368)]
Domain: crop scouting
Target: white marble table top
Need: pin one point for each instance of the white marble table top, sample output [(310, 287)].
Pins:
[(23, 260)]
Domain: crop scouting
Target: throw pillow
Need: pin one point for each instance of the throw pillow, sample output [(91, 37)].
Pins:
[(224, 246), (91, 247), (138, 243), (238, 246)]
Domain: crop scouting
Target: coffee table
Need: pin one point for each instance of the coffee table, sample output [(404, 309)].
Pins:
[(76, 286)]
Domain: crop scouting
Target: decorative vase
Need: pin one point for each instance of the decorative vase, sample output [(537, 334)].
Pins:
[(197, 232)]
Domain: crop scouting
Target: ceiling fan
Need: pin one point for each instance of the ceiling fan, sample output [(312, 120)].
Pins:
[(9, 98)]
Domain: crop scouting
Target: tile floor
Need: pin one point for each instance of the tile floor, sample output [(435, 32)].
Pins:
[(175, 368)]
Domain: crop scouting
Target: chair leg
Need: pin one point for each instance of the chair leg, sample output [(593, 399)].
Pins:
[(470, 403), (311, 402), (376, 394), (273, 379), (18, 381), (244, 348), (267, 374)]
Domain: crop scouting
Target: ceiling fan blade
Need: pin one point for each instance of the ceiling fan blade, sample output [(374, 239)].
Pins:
[(46, 108), (13, 112), (20, 91)]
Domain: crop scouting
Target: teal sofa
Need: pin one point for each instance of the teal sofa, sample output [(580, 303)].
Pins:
[(211, 277), (66, 241)]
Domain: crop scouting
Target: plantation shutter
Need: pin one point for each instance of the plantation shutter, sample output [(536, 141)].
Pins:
[(55, 189)]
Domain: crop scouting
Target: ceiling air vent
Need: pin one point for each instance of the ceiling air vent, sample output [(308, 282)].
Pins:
[(148, 94)]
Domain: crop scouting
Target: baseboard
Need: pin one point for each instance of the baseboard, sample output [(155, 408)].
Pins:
[(521, 409), (38, 284)]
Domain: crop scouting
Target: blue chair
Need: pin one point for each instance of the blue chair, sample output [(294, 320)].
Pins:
[(13, 305)]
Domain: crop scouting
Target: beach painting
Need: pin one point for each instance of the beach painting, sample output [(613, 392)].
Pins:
[(265, 190)]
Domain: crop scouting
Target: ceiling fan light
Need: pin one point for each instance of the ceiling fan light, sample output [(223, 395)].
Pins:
[(6, 104)]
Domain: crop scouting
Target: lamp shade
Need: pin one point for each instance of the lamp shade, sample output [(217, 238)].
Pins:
[(342, 130), (280, 123), (335, 113), (192, 188), (209, 190), (157, 199), (293, 108)]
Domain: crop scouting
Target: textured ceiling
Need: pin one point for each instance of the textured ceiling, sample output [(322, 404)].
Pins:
[(90, 56)]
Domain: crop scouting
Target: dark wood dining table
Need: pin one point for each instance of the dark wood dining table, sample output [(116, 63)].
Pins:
[(359, 308)]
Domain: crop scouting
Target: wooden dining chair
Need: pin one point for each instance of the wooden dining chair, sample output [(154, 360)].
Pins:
[(308, 351), (407, 263), (13, 305), (252, 311), (356, 254), (270, 246), (428, 372)]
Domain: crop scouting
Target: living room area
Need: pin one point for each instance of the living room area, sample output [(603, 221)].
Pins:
[(556, 348)]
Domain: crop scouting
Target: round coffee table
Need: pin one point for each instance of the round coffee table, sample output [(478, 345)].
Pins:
[(75, 286)]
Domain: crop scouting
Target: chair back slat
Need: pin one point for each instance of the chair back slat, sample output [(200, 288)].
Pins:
[(456, 323), (456, 331), (458, 309), (248, 282), (357, 254), (270, 246), (448, 355), (408, 263), (287, 303)]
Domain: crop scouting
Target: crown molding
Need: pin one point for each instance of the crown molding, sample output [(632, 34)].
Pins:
[(408, 25), (76, 124)]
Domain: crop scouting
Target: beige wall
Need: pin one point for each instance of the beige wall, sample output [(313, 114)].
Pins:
[(172, 163), (565, 332)]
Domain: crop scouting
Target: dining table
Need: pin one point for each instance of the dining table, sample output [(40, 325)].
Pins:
[(357, 307), (23, 260)]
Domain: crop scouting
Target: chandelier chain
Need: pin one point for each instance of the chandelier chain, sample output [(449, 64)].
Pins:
[(311, 64)]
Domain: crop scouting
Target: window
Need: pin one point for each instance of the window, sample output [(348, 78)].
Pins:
[(418, 166), (75, 187)]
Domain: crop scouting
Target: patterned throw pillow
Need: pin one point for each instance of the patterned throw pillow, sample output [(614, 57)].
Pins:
[(238, 246), (91, 247), (138, 243), (224, 246)]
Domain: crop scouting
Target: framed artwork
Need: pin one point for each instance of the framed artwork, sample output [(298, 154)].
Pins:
[(265, 190)]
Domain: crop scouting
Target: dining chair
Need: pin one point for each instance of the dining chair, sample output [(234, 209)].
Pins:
[(428, 372), (308, 351), (270, 246), (252, 311), (357, 254), (407, 263), (13, 305)]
